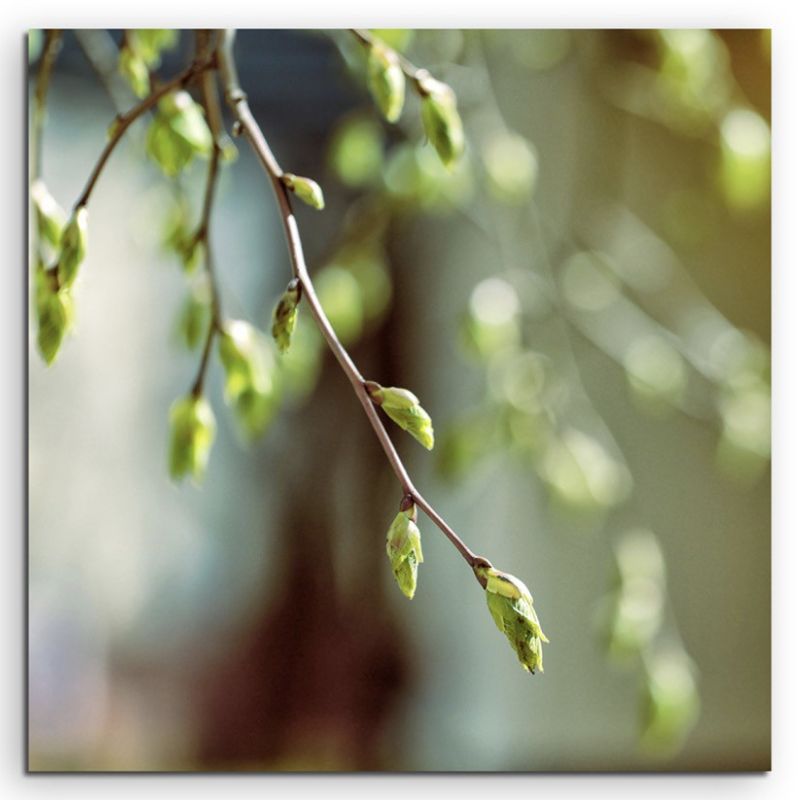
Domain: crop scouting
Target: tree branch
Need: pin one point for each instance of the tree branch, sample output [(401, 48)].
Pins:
[(52, 45), (237, 100), (210, 102), (124, 121)]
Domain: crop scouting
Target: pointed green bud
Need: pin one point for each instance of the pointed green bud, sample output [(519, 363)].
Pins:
[(511, 606), (404, 548), (54, 313), (133, 68), (307, 190), (441, 120), (50, 217), (192, 431), (386, 81), (403, 408), (251, 386), (284, 318), (73, 246)]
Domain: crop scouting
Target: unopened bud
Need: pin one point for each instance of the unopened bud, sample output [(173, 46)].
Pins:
[(307, 190), (192, 431), (133, 68), (441, 120), (250, 376), (386, 81), (511, 606), (73, 246), (54, 313), (404, 548), (403, 408), (284, 318), (50, 217)]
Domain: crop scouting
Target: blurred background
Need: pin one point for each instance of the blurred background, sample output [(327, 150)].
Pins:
[(582, 305)]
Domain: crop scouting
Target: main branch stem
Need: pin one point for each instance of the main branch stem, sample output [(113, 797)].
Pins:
[(237, 100)]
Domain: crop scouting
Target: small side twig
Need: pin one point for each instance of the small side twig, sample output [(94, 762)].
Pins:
[(124, 121)]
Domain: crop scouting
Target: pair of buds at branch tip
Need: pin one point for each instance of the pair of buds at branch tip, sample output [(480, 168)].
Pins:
[(440, 118), (509, 600), (66, 240)]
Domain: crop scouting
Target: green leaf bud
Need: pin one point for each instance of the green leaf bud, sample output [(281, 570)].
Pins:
[(386, 81), (251, 386), (73, 246), (441, 120), (133, 68), (192, 254), (403, 408), (511, 606), (195, 315), (149, 43), (284, 318), (307, 190), (404, 548), (192, 431), (50, 217), (178, 133), (54, 313)]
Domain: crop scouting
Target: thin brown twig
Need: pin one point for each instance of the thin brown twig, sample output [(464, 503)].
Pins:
[(210, 101), (237, 100), (52, 45), (124, 121)]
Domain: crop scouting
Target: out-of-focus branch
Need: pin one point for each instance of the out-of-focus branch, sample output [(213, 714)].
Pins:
[(52, 45), (103, 56), (124, 121), (211, 105), (237, 100)]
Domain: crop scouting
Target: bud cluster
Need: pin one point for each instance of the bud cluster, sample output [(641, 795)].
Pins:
[(404, 548), (511, 606)]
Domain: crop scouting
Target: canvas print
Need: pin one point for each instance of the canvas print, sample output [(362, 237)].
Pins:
[(398, 400)]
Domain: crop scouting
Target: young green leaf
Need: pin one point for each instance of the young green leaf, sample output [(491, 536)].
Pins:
[(511, 606), (50, 217), (133, 68), (403, 408), (73, 246), (54, 313), (404, 548), (149, 44), (195, 315), (178, 133), (441, 120), (284, 318), (386, 81), (307, 190), (192, 431), (251, 385)]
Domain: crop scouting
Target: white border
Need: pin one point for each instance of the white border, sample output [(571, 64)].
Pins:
[(781, 16)]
